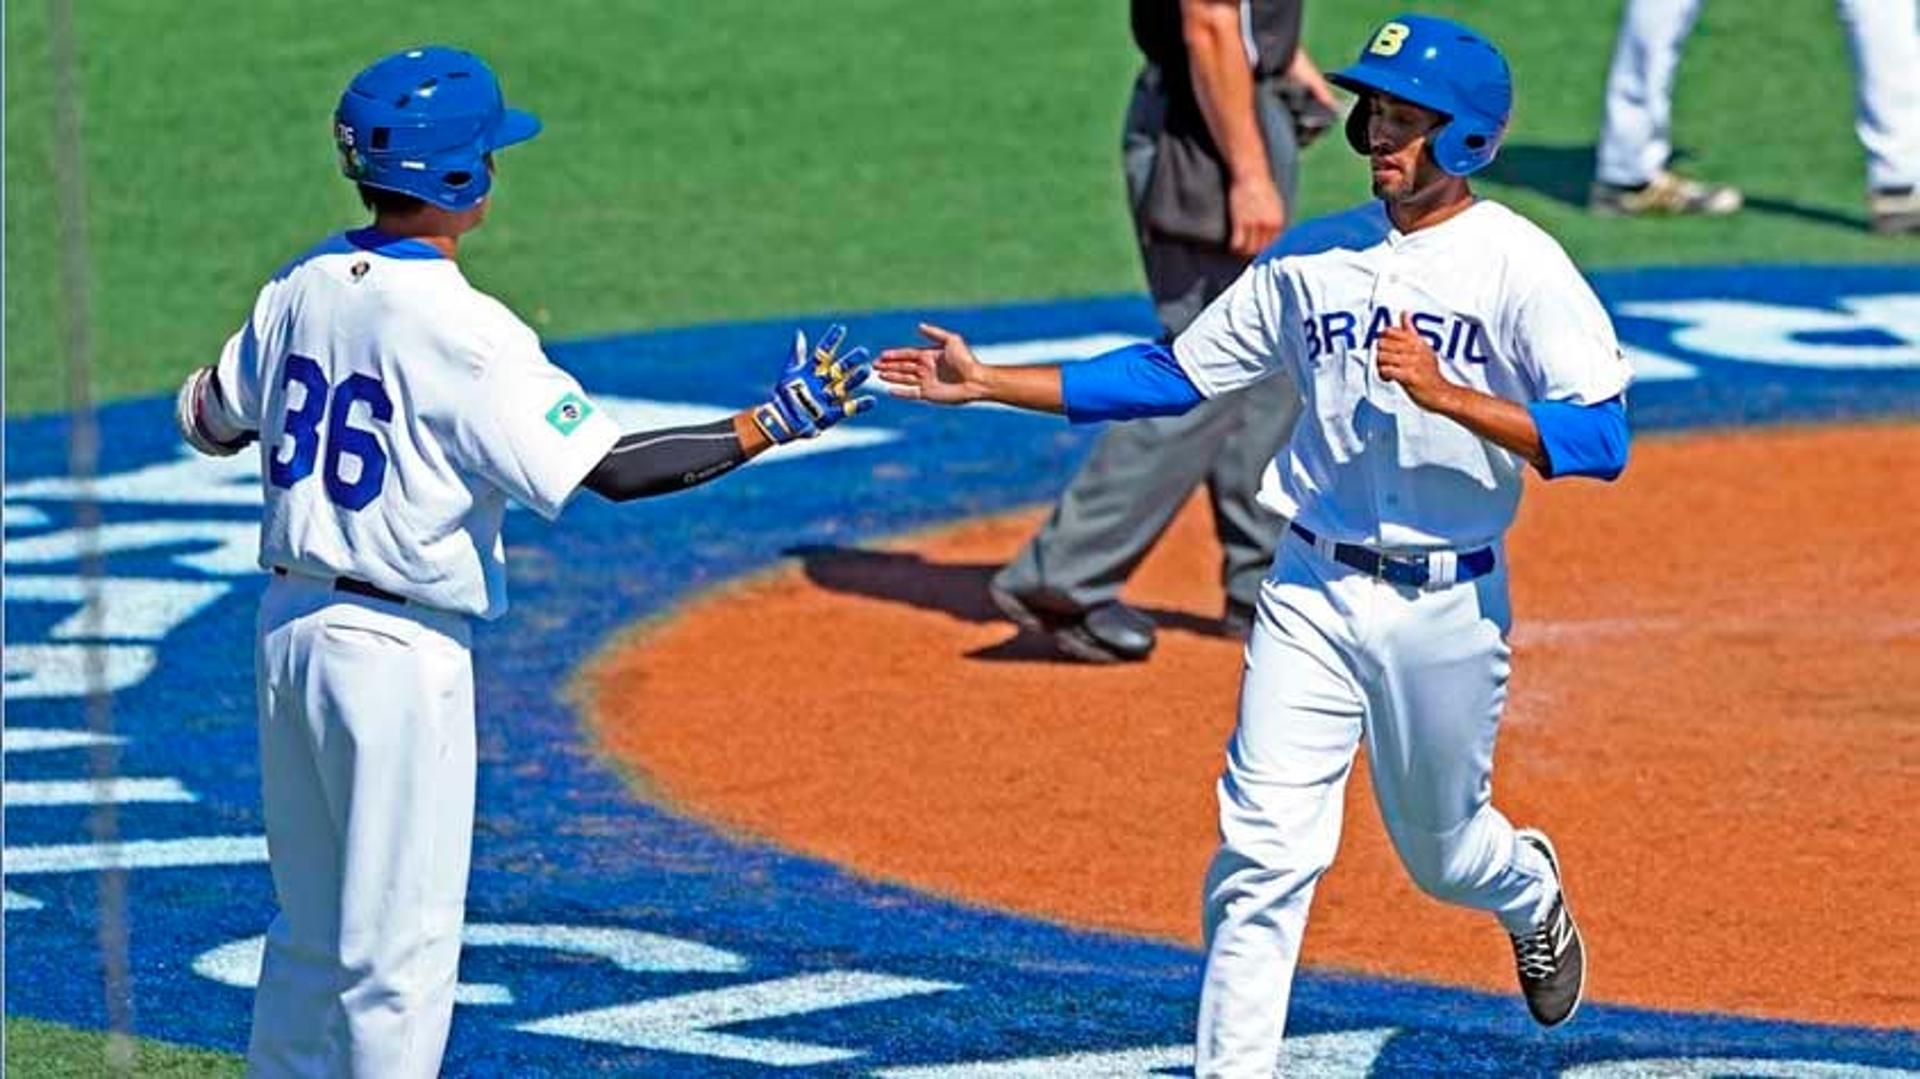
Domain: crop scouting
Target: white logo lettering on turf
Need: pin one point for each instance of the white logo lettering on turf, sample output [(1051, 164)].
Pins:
[(238, 964), (1346, 1054), (128, 609), (684, 1024), (680, 1024), (1796, 336)]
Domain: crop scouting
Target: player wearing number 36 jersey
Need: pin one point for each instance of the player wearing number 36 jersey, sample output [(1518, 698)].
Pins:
[(398, 410), (1441, 344), (371, 366)]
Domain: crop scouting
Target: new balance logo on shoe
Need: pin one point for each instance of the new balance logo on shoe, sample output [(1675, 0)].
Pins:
[(1551, 959)]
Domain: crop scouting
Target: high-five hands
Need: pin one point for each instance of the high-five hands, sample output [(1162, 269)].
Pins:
[(1403, 356), (946, 373), (815, 391)]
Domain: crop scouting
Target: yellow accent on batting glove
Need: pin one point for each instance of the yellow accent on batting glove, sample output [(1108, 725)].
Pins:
[(815, 390)]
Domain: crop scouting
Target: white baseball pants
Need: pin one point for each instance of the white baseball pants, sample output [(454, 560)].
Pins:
[(1634, 137), (1883, 35), (367, 779), (1336, 657)]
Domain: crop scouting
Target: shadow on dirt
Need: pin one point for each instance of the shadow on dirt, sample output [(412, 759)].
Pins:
[(955, 589)]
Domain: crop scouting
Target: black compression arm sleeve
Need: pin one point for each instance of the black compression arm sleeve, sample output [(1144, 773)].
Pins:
[(648, 463)]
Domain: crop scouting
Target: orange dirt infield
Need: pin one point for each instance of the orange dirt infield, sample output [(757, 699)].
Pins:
[(1715, 710)]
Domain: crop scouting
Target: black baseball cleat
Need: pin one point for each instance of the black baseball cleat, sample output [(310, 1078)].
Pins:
[(1107, 633), (1552, 959)]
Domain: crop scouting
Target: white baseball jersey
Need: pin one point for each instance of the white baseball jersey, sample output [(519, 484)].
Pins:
[(1495, 297), (398, 409)]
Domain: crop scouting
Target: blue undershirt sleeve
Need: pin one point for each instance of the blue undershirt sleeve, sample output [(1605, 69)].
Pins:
[(1582, 440), (1127, 383)]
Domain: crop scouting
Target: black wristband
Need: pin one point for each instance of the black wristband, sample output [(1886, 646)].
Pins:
[(648, 463)]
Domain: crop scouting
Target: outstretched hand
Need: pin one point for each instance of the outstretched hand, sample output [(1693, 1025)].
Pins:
[(815, 390), (945, 373)]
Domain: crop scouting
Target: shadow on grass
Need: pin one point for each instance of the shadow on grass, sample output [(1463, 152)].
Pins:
[(957, 590), (1562, 174)]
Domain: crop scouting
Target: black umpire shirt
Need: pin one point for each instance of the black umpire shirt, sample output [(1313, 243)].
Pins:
[(1186, 195), (1276, 34)]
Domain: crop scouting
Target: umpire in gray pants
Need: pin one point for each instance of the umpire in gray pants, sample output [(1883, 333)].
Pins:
[(1210, 153)]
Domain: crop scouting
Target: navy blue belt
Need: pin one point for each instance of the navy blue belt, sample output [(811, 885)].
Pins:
[(1413, 571), (356, 587)]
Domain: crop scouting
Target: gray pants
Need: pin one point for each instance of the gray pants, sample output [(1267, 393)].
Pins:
[(1140, 472)]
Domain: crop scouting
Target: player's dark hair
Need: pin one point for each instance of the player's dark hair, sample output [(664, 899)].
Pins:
[(382, 201)]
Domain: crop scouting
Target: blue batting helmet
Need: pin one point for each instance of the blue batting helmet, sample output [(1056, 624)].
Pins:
[(1441, 65), (421, 122)]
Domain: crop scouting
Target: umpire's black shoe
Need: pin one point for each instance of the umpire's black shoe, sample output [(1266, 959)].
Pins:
[(1112, 632), (1106, 633), (1552, 959)]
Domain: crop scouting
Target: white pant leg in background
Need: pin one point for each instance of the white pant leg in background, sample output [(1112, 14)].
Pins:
[(1336, 656), (1635, 134), (1884, 37), (367, 777)]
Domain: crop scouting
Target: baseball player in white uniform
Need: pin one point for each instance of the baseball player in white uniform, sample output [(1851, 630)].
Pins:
[(1442, 343), (397, 410)]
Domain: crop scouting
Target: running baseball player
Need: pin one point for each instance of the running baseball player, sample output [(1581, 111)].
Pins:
[(398, 409), (1441, 343)]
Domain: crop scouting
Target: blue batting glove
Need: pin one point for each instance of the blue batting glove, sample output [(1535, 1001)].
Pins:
[(815, 390)]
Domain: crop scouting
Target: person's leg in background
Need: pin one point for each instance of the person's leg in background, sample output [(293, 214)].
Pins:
[(1248, 531), (1630, 166), (1067, 580), (1884, 38)]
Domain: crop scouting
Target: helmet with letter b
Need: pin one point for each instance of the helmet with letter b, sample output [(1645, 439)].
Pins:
[(422, 122), (1437, 64)]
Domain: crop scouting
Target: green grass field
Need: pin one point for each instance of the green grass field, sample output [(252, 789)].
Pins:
[(738, 158), (37, 1050)]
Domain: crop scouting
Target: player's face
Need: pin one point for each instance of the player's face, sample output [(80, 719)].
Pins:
[(1397, 133)]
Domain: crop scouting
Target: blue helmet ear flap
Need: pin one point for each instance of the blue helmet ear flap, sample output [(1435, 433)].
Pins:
[(1461, 149), (1473, 134)]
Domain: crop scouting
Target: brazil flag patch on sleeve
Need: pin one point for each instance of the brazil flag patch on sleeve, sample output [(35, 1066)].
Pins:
[(568, 412)]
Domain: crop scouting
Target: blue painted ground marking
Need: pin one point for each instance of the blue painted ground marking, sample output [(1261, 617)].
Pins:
[(611, 936)]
